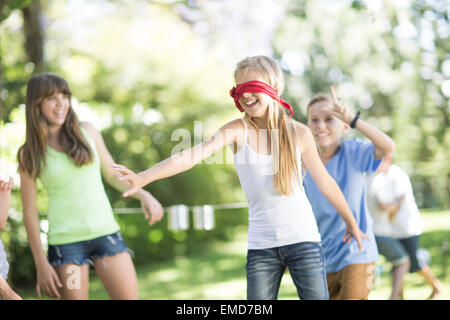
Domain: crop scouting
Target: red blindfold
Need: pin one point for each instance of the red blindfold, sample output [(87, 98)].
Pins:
[(256, 87)]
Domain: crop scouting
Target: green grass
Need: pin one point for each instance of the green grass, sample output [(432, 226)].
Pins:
[(219, 273)]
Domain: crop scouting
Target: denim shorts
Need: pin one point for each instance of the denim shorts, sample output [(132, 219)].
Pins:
[(85, 252), (398, 251)]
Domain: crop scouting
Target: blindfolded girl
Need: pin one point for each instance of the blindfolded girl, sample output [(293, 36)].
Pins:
[(269, 149)]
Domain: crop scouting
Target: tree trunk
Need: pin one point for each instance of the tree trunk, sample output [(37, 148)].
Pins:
[(34, 43)]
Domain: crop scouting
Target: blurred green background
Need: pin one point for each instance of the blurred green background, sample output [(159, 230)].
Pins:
[(140, 70)]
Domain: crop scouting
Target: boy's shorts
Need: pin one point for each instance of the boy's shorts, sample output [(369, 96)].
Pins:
[(351, 282)]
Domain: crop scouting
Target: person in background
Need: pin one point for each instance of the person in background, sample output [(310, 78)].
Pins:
[(398, 226), (6, 292), (349, 270)]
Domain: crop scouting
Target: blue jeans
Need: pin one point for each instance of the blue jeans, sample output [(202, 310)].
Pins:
[(306, 264)]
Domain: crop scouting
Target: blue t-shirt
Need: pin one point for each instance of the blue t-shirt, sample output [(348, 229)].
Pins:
[(348, 167)]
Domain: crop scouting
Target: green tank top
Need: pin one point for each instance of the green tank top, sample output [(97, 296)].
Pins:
[(78, 208)]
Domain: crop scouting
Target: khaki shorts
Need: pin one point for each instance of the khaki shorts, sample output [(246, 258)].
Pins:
[(352, 282)]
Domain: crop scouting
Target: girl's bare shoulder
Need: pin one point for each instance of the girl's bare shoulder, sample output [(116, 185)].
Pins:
[(300, 129), (302, 134), (234, 128), (87, 126), (234, 124), (90, 128), (234, 133)]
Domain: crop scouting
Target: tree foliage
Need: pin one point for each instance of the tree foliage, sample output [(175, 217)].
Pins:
[(388, 59), (140, 70)]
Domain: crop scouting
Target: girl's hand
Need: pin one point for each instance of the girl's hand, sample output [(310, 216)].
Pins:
[(354, 232), (48, 280), (6, 183), (153, 210), (9, 294), (135, 179), (339, 109)]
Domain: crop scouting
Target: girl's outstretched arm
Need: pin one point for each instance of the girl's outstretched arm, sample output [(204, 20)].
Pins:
[(384, 145), (326, 184), (181, 161)]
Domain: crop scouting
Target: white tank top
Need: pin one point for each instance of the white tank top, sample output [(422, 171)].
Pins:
[(274, 220)]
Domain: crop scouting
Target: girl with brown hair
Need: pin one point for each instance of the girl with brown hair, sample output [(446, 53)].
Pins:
[(69, 158)]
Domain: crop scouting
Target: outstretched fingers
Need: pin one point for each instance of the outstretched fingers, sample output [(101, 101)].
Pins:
[(121, 169), (125, 174)]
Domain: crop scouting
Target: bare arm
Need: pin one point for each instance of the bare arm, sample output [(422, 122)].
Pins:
[(31, 217), (326, 184), (152, 208), (6, 293), (47, 278), (106, 160), (181, 161), (384, 145)]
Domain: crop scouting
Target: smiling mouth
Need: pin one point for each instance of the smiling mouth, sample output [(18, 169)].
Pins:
[(60, 114), (250, 104)]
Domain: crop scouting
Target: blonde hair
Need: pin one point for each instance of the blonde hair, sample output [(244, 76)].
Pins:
[(283, 147), (317, 98)]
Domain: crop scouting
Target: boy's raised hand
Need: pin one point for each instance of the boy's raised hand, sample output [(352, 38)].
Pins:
[(340, 110)]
